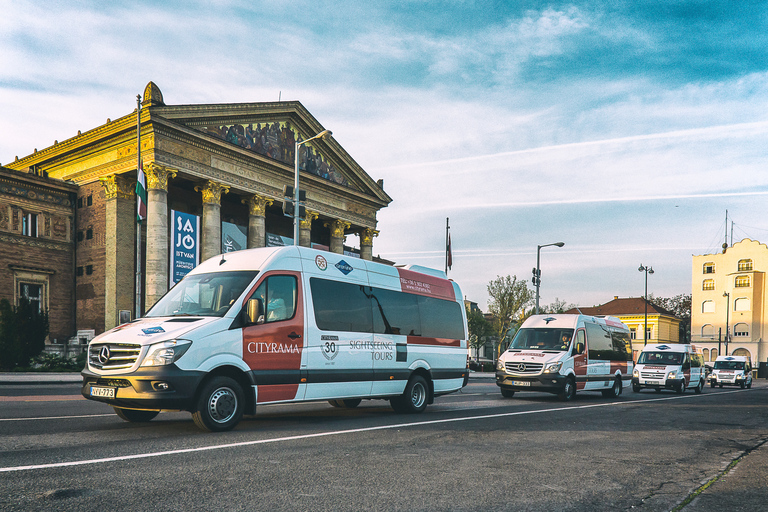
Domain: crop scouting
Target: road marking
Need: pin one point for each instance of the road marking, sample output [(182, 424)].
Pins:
[(41, 398), (58, 417), (343, 432)]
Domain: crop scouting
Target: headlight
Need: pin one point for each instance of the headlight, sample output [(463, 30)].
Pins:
[(500, 365), (553, 367), (672, 375), (739, 377), (636, 374), (165, 353)]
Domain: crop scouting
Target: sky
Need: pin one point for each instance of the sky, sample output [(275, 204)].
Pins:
[(625, 130)]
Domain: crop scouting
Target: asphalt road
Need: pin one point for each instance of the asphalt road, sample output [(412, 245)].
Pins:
[(469, 451)]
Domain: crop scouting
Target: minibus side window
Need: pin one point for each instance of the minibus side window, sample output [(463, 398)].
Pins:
[(341, 306), (600, 343), (395, 313), (278, 298), (441, 318)]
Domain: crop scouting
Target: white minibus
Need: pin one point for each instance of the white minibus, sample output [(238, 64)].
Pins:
[(284, 324), (669, 366), (563, 354), (732, 371)]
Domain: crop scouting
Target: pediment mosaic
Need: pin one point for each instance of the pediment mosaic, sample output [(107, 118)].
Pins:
[(277, 140)]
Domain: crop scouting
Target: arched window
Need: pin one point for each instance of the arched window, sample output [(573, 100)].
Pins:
[(741, 304), (705, 352), (708, 331), (742, 352), (708, 284), (708, 306), (745, 265), (713, 354), (741, 330), (742, 282), (709, 267)]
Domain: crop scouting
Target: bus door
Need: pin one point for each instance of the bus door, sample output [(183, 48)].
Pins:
[(273, 347), (580, 358)]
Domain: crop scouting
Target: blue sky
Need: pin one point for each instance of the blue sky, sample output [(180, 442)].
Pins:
[(624, 129)]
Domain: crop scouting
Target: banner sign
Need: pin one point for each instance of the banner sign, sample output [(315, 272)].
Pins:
[(233, 237), (278, 241), (185, 244)]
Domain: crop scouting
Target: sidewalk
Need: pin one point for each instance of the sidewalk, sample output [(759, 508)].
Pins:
[(39, 378)]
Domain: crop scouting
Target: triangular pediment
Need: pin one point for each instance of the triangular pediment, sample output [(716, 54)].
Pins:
[(271, 130)]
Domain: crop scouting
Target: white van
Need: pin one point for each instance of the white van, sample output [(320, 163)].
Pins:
[(285, 324), (732, 371), (563, 354), (669, 366)]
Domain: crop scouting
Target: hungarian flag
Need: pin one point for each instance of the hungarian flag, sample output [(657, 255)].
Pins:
[(141, 193)]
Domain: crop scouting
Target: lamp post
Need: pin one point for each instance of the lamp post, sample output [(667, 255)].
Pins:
[(320, 135), (727, 319), (647, 270), (537, 270)]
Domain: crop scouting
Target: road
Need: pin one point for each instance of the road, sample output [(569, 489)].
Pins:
[(472, 450)]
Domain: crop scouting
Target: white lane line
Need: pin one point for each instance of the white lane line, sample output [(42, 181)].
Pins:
[(57, 417), (341, 432)]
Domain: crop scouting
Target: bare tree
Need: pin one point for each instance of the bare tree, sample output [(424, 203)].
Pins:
[(508, 299)]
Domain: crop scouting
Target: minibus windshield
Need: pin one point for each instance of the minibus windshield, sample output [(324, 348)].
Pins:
[(543, 339), (729, 365), (203, 294), (661, 358)]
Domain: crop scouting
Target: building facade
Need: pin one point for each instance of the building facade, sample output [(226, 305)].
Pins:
[(728, 302), (663, 326), (224, 166), (37, 220)]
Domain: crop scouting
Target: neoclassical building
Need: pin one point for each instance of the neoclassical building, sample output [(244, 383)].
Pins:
[(224, 166), (728, 298)]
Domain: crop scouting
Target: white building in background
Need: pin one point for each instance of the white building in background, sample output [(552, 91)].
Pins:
[(728, 302)]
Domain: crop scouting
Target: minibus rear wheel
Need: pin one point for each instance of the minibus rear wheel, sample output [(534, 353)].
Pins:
[(135, 416), (614, 391), (414, 399), (220, 405)]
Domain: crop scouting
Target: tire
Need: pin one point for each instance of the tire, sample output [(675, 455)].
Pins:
[(721, 386), (681, 388), (220, 405), (658, 390), (635, 387), (569, 391), (507, 393), (614, 391), (414, 399), (349, 403), (712, 384), (135, 416), (698, 389), (742, 385), (749, 386)]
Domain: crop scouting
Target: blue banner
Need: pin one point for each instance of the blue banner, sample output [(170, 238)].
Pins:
[(185, 244)]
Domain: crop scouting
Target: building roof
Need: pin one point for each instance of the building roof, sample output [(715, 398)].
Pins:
[(623, 307)]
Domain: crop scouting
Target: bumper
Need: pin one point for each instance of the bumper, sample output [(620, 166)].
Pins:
[(729, 382), (666, 384), (145, 388), (550, 383)]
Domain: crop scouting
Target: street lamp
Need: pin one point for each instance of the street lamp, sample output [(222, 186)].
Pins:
[(537, 270), (727, 319), (647, 270), (320, 135)]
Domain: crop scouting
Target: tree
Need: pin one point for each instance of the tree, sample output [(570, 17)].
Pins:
[(559, 306), (479, 328), (680, 306), (23, 330), (508, 299)]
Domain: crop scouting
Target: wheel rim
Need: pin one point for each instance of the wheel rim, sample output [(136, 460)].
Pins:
[(418, 395), (568, 389), (222, 405)]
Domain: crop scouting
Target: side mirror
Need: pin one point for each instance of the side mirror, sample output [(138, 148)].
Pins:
[(252, 312), (579, 348)]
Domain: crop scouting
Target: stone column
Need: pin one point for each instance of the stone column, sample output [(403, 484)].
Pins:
[(305, 229), (366, 243), (157, 233), (120, 242), (337, 228), (257, 227), (211, 242)]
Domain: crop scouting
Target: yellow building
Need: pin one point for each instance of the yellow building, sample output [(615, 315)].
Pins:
[(663, 326), (728, 302)]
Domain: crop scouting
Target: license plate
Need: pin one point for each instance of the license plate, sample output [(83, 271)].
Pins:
[(653, 383), (520, 383), (103, 392)]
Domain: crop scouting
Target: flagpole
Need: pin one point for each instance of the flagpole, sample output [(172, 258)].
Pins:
[(138, 217), (447, 247)]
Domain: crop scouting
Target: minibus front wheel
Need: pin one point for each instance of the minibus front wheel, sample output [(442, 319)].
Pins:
[(414, 399), (220, 405), (569, 390)]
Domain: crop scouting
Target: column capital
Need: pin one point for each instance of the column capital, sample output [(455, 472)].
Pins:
[(367, 235), (306, 222), (257, 205), (157, 176), (212, 192), (116, 185), (337, 227)]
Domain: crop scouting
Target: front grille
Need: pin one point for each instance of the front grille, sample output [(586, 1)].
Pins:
[(523, 368), (653, 375), (113, 356), (114, 383)]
